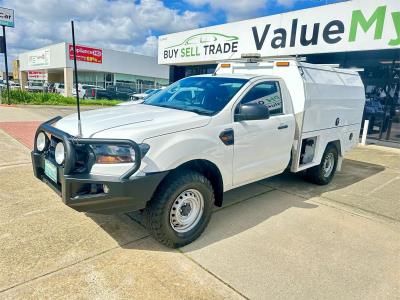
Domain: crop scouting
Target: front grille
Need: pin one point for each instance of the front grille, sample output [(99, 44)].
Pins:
[(82, 159), (53, 143), (82, 156)]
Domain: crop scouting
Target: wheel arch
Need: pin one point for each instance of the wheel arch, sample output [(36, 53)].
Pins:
[(210, 171), (337, 145)]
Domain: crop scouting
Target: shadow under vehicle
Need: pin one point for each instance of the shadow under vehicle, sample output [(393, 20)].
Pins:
[(123, 227)]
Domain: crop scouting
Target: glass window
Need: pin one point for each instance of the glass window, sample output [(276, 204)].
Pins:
[(123, 89), (267, 93), (151, 91), (203, 95)]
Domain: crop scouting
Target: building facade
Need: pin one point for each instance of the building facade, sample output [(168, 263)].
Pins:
[(359, 34), (96, 66)]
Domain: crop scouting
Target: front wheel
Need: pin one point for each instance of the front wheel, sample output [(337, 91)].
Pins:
[(324, 172), (180, 209)]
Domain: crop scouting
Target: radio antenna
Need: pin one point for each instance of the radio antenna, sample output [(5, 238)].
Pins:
[(76, 81)]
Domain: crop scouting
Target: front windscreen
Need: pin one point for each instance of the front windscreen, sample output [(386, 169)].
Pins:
[(202, 95)]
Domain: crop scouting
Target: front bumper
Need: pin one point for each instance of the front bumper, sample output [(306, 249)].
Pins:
[(85, 192)]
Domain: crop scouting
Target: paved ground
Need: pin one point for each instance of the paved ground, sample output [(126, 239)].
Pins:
[(278, 238), (21, 122)]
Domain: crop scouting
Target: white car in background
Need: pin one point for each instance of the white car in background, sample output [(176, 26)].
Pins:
[(59, 88), (83, 90), (34, 86), (14, 85)]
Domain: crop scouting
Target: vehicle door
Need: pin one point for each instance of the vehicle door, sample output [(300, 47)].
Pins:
[(110, 92), (262, 147), (123, 92), (60, 88)]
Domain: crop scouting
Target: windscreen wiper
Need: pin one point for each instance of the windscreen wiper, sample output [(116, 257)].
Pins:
[(171, 107), (200, 111)]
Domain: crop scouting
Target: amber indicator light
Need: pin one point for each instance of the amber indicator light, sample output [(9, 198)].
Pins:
[(282, 64)]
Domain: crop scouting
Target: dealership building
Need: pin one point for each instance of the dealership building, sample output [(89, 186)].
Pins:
[(358, 34), (96, 66)]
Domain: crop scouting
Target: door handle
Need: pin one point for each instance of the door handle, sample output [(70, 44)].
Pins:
[(283, 126)]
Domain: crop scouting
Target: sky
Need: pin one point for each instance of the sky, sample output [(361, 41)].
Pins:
[(127, 25)]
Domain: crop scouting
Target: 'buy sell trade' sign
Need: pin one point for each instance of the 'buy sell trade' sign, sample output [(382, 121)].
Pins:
[(86, 54)]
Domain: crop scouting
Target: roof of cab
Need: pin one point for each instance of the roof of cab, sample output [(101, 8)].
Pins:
[(238, 76)]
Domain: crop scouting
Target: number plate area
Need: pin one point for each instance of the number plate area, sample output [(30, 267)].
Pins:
[(50, 170)]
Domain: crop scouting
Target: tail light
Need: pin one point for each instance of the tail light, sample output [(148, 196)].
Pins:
[(93, 93)]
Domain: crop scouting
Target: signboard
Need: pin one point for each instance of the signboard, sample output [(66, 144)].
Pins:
[(6, 17), (347, 26), (86, 54), (37, 75), (39, 58)]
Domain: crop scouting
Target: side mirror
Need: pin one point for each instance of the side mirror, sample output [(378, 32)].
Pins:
[(252, 111)]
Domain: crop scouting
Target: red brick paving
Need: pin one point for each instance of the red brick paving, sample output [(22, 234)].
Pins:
[(24, 132)]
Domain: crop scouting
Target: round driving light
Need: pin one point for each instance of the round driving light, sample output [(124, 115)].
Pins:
[(59, 153), (41, 141)]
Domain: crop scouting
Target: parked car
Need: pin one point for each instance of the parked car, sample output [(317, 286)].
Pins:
[(50, 87), (174, 155), (34, 86), (59, 88), (374, 112), (145, 94), (91, 93), (15, 85), (84, 90), (112, 92)]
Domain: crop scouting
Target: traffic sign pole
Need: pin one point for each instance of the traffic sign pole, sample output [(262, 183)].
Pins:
[(6, 63)]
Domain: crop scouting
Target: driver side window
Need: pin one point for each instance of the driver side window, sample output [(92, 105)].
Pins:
[(267, 93)]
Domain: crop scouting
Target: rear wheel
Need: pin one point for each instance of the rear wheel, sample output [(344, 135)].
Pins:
[(324, 172), (181, 209)]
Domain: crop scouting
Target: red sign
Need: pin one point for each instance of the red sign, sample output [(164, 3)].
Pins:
[(37, 75), (86, 54)]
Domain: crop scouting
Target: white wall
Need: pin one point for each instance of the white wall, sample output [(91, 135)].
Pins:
[(57, 58), (125, 63), (112, 62)]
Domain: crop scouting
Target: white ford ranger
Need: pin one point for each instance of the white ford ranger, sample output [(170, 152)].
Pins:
[(174, 155)]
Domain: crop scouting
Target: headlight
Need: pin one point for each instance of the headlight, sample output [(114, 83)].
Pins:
[(111, 154), (59, 153), (41, 141)]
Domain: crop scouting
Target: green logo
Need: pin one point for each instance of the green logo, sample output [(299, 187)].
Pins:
[(378, 20)]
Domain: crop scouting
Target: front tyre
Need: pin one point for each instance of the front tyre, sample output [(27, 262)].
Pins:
[(324, 172), (180, 209)]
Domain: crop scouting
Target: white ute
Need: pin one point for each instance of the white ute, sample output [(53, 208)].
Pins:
[(176, 154)]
